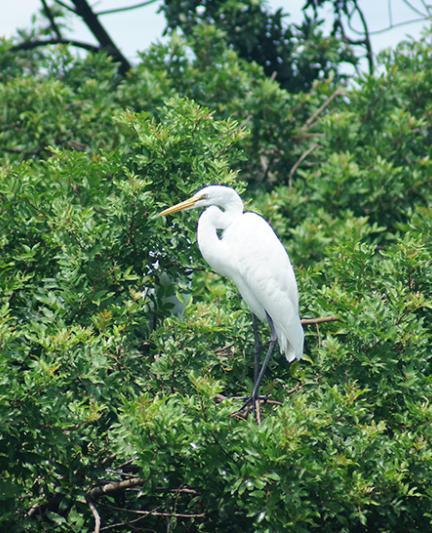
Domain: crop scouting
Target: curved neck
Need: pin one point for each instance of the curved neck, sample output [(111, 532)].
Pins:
[(211, 246)]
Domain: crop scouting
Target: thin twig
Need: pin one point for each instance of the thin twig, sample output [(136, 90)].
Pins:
[(257, 412), (319, 320), (17, 150), (153, 513), (313, 118), (51, 19), (299, 162), (397, 25), (106, 489), (428, 7), (319, 335), (156, 513), (29, 45), (390, 12), (238, 416), (222, 398), (126, 8), (115, 486), (413, 8), (294, 389), (96, 515), (85, 11), (180, 490), (224, 350), (63, 4), (367, 41), (51, 504), (306, 136)]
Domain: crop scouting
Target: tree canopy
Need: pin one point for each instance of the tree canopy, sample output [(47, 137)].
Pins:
[(121, 354)]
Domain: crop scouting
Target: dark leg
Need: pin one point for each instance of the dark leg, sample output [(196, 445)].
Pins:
[(255, 325), (259, 377), (272, 343)]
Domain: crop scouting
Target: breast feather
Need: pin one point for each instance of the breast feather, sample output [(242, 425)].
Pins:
[(261, 260)]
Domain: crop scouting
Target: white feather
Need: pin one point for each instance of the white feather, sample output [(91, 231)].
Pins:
[(250, 254)]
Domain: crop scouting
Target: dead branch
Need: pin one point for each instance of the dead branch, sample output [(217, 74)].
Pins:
[(180, 490), (115, 486), (294, 389), (29, 45), (156, 513), (106, 489), (414, 8), (299, 161), (367, 41), (144, 514), (63, 4), (257, 410), (50, 505), (319, 320), (96, 515), (397, 25), (305, 136), (126, 8), (84, 11), (51, 18), (313, 118), (222, 398)]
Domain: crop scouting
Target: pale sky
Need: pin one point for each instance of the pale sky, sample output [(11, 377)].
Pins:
[(135, 30)]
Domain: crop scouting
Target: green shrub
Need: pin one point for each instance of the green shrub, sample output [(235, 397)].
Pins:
[(103, 380)]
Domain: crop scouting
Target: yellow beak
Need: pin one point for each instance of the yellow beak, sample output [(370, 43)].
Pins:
[(190, 202)]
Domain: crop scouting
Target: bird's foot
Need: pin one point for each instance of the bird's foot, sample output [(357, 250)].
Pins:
[(249, 401)]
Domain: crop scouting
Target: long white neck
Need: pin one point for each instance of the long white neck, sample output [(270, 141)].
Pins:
[(212, 248)]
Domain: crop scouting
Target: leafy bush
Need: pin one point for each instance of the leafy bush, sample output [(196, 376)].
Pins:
[(104, 380), (296, 55)]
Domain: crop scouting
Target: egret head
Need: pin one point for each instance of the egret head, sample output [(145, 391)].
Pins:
[(218, 195)]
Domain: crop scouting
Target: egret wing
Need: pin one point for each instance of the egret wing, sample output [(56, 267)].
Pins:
[(265, 278)]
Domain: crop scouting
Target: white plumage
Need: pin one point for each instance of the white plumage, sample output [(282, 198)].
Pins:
[(243, 247)]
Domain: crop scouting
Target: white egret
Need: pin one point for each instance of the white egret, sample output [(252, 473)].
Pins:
[(243, 247)]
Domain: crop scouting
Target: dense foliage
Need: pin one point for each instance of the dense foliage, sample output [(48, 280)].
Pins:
[(294, 55), (120, 351)]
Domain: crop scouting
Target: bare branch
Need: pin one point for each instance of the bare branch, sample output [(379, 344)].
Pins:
[(66, 6), (107, 489), (319, 320), (151, 513), (40, 508), (414, 8), (126, 8), (313, 118), (50, 17), (115, 486), (84, 10), (391, 24), (257, 410), (180, 490), (428, 7), (95, 514), (397, 25), (15, 150), (29, 45), (299, 161), (367, 41), (294, 389), (156, 513), (222, 398), (306, 136)]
